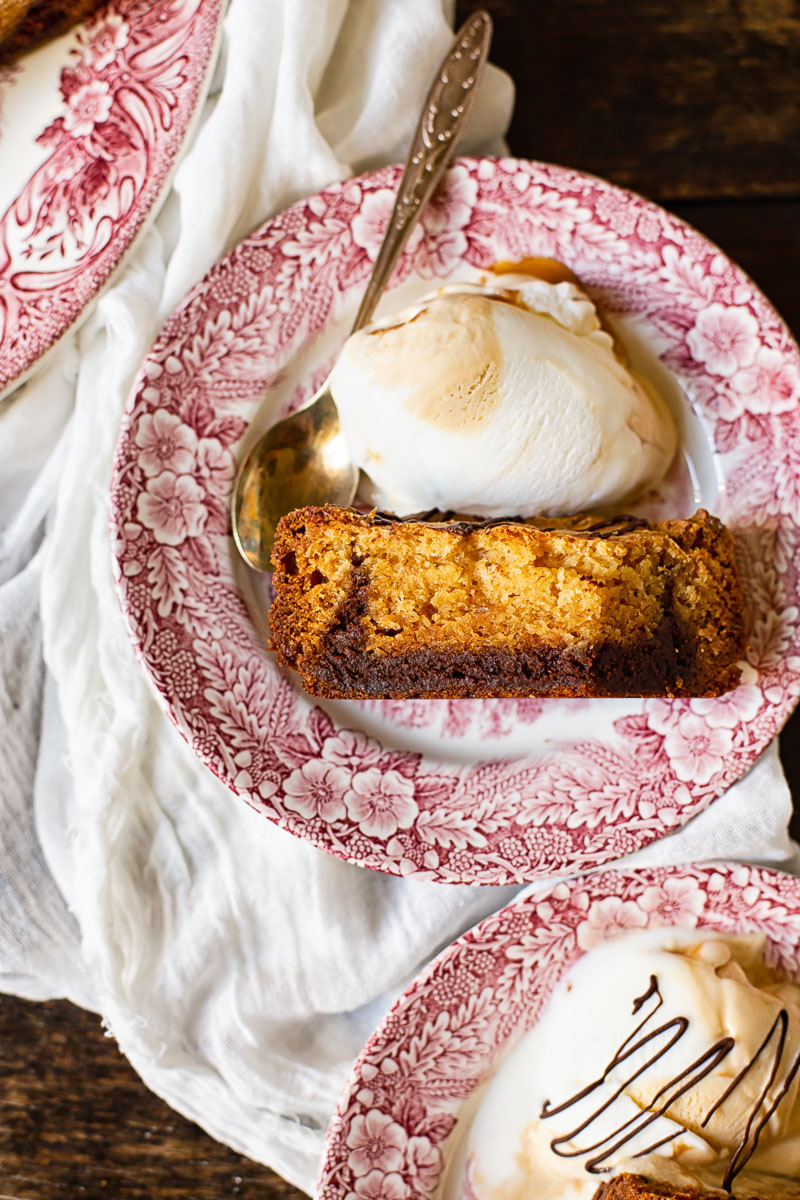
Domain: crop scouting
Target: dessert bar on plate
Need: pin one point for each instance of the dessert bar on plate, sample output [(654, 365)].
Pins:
[(635, 1187), (25, 24), (370, 605)]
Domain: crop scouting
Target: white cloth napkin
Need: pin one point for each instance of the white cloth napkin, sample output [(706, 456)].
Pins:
[(239, 969)]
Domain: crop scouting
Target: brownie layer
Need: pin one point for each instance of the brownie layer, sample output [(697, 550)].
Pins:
[(647, 669)]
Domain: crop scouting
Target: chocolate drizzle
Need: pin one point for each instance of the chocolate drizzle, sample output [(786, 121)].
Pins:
[(661, 1038), (582, 525)]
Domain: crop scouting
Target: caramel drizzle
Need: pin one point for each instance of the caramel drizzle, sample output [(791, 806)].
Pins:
[(668, 1034)]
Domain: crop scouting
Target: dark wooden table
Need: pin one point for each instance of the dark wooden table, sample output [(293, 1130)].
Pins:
[(693, 105)]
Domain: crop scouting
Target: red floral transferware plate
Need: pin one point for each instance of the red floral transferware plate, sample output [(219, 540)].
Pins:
[(90, 129), (467, 791), (395, 1129)]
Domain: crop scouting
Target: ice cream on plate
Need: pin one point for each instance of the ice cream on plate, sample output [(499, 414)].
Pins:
[(504, 396), (673, 1056)]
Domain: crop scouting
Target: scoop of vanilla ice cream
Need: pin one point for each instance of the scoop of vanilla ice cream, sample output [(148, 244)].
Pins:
[(500, 398), (713, 994)]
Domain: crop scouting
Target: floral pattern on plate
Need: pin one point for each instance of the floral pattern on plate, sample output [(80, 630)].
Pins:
[(449, 1030), (131, 84), (589, 781)]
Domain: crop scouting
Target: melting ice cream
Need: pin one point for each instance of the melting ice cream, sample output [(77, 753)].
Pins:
[(672, 1056), (500, 398)]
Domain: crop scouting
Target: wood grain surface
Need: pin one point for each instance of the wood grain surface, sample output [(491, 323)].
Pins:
[(678, 100), (693, 105)]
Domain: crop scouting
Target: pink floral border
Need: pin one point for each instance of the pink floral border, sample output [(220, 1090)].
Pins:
[(127, 99), (448, 1031), (579, 800)]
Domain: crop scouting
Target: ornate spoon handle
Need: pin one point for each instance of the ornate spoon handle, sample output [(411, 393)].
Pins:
[(443, 116)]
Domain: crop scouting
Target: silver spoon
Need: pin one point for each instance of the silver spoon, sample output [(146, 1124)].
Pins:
[(303, 459)]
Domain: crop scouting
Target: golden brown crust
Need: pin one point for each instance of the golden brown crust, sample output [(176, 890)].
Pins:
[(370, 606), (636, 1187), (25, 24)]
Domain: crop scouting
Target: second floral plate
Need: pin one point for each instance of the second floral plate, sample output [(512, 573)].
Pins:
[(399, 1131)]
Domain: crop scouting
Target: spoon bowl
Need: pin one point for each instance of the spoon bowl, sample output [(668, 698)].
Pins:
[(303, 459)]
